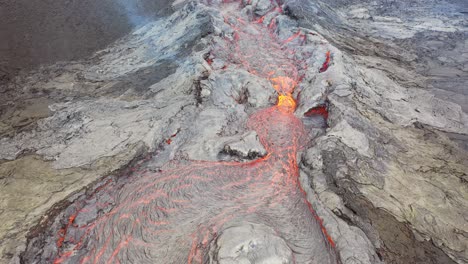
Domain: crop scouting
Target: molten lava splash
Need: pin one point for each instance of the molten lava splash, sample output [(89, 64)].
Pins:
[(175, 215)]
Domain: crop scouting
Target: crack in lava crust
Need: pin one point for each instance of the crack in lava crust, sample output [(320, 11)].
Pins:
[(176, 215)]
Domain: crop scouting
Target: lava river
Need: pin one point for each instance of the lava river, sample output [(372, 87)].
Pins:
[(214, 212)]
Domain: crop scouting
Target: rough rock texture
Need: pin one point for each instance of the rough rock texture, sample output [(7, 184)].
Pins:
[(249, 147), (244, 244), (388, 175), (419, 44), (397, 95)]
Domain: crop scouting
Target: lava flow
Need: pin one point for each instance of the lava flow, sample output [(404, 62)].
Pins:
[(180, 214)]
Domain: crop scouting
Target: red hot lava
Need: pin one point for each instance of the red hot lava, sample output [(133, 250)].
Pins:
[(177, 214), (326, 63)]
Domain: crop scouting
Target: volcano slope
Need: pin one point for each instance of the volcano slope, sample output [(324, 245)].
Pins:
[(234, 133)]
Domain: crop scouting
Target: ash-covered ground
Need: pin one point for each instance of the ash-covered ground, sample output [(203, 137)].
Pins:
[(380, 88)]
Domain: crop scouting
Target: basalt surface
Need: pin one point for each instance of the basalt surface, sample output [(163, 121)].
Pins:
[(253, 132)]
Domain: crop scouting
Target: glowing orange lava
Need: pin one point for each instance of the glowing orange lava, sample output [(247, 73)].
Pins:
[(287, 103)]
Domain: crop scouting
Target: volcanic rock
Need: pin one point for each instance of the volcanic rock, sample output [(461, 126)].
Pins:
[(251, 243), (248, 148)]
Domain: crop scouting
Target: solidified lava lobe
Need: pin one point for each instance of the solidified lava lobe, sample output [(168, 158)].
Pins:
[(176, 215)]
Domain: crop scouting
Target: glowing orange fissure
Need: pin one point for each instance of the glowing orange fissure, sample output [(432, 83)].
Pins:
[(286, 102), (271, 180)]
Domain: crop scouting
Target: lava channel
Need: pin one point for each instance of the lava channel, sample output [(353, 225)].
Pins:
[(179, 214)]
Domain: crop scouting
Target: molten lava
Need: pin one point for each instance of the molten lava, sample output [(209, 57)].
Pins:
[(286, 103), (176, 215), (326, 63)]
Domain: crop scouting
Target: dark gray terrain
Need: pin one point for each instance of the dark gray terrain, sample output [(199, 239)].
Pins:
[(35, 32)]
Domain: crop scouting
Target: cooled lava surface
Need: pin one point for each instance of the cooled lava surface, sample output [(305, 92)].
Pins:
[(214, 212)]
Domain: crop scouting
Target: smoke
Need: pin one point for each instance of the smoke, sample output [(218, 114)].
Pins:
[(134, 11)]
